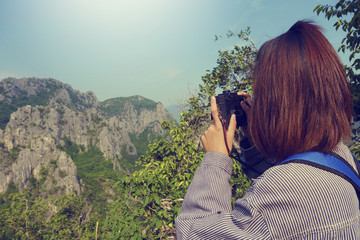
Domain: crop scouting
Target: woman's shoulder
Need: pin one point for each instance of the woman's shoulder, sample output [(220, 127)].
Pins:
[(290, 177), (295, 176), (295, 198), (299, 178)]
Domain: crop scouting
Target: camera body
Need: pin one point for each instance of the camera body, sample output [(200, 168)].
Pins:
[(228, 104)]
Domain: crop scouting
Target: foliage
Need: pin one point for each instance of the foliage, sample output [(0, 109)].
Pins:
[(27, 215), (128, 160), (39, 218), (143, 139), (355, 149), (96, 172), (69, 147), (347, 13), (152, 196)]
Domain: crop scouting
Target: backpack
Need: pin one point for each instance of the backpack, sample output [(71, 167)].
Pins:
[(329, 162)]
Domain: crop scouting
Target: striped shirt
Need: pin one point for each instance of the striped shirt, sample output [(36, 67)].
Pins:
[(288, 201)]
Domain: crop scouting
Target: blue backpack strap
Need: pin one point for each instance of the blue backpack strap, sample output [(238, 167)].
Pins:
[(330, 163)]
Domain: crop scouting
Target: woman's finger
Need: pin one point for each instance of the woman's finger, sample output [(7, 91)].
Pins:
[(214, 112), (244, 94)]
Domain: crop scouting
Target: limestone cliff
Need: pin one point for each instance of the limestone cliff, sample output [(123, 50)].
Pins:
[(36, 115)]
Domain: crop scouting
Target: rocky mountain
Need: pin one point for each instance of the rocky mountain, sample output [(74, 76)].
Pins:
[(39, 116)]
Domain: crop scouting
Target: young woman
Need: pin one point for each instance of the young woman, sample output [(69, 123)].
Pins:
[(301, 102)]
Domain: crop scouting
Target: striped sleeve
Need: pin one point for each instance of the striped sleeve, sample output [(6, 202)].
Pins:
[(207, 212)]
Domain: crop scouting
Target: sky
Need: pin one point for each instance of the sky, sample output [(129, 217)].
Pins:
[(158, 49)]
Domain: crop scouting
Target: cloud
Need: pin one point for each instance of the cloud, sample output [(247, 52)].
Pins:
[(172, 73)]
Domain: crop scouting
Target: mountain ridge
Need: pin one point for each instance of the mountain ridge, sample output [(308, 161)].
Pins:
[(41, 115)]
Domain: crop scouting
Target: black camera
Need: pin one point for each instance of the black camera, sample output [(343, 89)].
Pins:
[(228, 104)]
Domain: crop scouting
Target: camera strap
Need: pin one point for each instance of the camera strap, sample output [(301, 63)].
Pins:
[(223, 123), (332, 163)]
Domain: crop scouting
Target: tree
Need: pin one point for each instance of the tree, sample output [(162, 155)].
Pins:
[(23, 218), (347, 13), (152, 196)]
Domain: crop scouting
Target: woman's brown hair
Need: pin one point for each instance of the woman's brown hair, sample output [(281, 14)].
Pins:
[(302, 98)]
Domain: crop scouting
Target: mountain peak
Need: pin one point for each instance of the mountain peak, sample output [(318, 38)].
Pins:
[(39, 115)]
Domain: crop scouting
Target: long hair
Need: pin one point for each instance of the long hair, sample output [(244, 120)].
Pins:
[(302, 98)]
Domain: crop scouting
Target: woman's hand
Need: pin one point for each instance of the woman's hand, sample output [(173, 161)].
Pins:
[(247, 103), (213, 139)]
